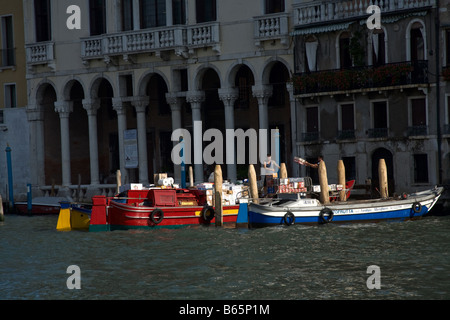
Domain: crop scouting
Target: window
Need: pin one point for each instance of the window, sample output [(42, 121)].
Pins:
[(205, 10), (418, 118), (127, 15), (10, 96), (379, 119), (420, 168), (447, 47), (347, 121), (311, 45), (274, 6), (42, 19), (378, 48), (345, 59), (153, 13), (97, 19), (417, 43), (312, 124), (7, 48), (179, 12)]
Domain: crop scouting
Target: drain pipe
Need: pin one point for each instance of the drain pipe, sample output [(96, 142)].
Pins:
[(438, 92)]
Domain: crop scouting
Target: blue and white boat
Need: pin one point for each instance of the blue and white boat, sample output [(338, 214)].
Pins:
[(290, 209)]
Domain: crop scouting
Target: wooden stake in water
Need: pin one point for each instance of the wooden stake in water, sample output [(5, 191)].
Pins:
[(253, 183), (341, 180), (119, 181), (2, 216), (283, 171), (191, 177), (323, 179), (218, 195), (382, 176)]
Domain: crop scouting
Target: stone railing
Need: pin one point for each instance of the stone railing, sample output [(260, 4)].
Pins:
[(39, 53), (329, 11), (178, 38), (271, 27)]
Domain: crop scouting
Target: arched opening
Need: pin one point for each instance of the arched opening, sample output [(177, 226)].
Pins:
[(107, 136), (382, 153), (213, 113), (52, 136), (279, 110), (159, 127), (417, 43), (245, 109), (79, 136)]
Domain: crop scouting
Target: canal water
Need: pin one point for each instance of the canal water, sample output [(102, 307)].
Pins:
[(198, 263)]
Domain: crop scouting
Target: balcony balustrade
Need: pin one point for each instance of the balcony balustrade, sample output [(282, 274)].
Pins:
[(271, 27), (178, 38), (39, 53), (330, 11), (357, 78)]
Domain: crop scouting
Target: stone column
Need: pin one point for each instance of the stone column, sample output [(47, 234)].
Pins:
[(228, 97), (37, 159), (64, 108), (195, 98), (121, 127), (91, 106), (175, 103), (262, 93), (140, 104)]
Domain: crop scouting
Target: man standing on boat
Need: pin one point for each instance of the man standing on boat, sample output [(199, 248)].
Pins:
[(268, 171)]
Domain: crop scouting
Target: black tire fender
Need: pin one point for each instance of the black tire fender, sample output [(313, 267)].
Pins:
[(204, 214), (157, 216), (326, 212), (289, 218)]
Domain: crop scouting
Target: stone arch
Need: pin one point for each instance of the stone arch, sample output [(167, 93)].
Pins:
[(146, 77), (415, 24), (200, 73)]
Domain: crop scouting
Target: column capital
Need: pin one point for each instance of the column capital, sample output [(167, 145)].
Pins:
[(262, 91), (64, 108), (140, 103), (195, 98), (174, 101), (91, 106), (228, 96), (119, 106)]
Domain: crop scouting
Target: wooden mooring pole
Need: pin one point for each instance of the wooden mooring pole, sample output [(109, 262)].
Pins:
[(341, 180), (253, 184), (283, 171), (191, 177), (323, 179), (118, 181), (2, 215), (218, 195), (382, 176)]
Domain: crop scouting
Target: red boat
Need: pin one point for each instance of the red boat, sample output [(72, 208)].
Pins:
[(155, 208)]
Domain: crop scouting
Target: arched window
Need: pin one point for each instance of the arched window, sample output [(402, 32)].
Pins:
[(416, 44), (344, 56)]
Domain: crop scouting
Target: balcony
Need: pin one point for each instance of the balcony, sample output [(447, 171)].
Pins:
[(378, 132), (420, 130), (272, 27), (360, 78), (181, 39), (346, 135), (318, 12), (310, 136), (39, 53)]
